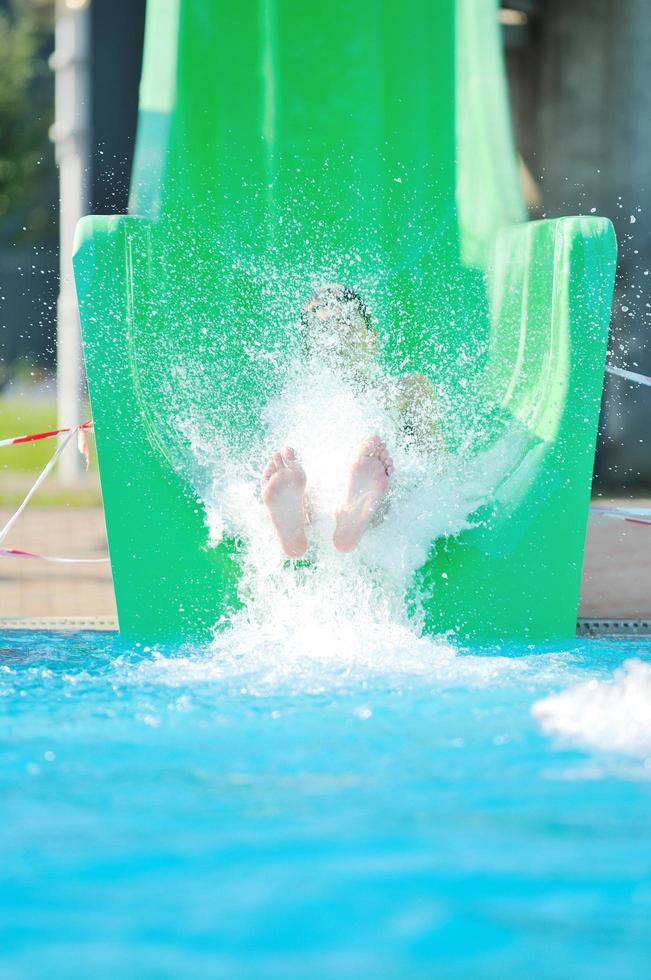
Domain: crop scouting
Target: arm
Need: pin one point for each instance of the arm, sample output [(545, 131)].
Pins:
[(416, 402)]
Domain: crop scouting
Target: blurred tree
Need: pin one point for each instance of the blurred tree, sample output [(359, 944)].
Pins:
[(28, 188), (27, 171)]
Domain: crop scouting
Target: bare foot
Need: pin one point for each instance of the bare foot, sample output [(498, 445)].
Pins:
[(283, 494), (368, 484)]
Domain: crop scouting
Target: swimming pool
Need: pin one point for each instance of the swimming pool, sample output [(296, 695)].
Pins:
[(182, 813)]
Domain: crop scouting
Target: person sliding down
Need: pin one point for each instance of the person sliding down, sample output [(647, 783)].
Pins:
[(337, 325)]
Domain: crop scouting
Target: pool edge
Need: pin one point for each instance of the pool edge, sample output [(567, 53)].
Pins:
[(584, 627), (59, 623)]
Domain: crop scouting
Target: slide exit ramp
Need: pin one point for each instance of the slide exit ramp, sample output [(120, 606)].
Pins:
[(368, 141)]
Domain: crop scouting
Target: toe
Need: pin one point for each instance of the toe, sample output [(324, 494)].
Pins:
[(289, 455), (268, 471), (278, 460), (388, 466), (371, 445)]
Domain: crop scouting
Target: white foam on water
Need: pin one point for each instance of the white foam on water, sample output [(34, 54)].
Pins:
[(311, 650), (612, 715), (319, 655)]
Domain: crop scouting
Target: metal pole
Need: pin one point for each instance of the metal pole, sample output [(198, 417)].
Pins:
[(71, 136)]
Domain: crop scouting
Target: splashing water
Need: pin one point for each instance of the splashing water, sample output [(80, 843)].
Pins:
[(612, 715), (333, 607)]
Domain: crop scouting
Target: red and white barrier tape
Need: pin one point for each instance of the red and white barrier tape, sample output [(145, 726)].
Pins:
[(634, 515), (35, 436), (640, 379), (80, 432), (17, 553)]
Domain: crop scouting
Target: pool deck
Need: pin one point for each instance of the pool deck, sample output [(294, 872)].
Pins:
[(616, 574), (616, 582), (30, 589)]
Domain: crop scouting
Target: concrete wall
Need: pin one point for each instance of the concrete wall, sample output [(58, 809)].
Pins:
[(117, 29), (581, 93)]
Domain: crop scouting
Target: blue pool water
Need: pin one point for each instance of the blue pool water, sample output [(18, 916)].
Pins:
[(182, 813)]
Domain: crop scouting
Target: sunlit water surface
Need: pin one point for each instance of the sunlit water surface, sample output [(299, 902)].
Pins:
[(379, 806)]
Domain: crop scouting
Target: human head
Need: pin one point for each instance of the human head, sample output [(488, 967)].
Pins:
[(336, 323)]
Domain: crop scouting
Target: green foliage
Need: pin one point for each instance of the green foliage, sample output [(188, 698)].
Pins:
[(26, 98)]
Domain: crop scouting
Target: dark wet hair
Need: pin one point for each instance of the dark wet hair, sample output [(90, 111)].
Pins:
[(334, 294)]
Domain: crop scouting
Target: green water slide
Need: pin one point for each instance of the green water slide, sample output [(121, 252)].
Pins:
[(282, 144)]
